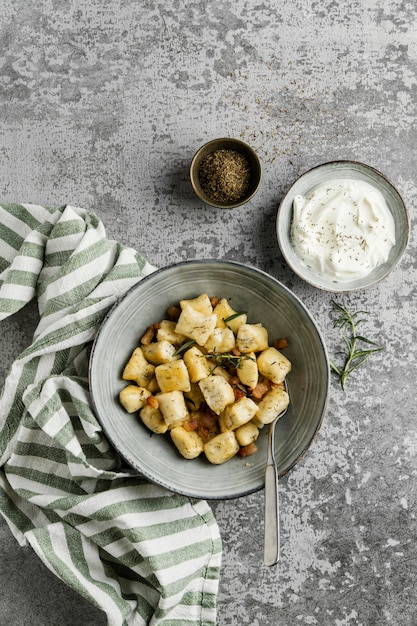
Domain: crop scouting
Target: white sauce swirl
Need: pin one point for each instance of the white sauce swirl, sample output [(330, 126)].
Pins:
[(342, 229)]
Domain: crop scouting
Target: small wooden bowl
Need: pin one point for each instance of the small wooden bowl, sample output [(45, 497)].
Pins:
[(226, 144)]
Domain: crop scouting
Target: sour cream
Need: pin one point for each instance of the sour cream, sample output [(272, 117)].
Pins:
[(342, 229)]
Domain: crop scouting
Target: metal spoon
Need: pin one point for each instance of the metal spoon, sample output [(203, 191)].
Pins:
[(271, 530)]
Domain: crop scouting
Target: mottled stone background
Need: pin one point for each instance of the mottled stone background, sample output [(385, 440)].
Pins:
[(103, 104)]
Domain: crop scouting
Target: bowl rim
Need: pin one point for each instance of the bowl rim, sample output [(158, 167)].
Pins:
[(212, 146), (318, 282), (326, 389)]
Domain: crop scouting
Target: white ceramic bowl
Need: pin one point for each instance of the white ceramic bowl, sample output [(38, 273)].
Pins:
[(326, 173), (266, 301)]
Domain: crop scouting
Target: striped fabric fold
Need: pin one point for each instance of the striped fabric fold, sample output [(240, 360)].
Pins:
[(140, 553)]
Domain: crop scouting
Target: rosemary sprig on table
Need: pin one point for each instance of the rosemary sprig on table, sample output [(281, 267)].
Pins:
[(354, 355)]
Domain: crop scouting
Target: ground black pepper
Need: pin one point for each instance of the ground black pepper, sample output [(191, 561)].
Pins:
[(225, 176)]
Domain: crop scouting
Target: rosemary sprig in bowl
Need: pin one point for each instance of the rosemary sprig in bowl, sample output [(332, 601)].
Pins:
[(355, 354), (225, 359), (221, 359)]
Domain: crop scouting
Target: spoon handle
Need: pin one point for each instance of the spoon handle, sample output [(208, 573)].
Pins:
[(271, 531)]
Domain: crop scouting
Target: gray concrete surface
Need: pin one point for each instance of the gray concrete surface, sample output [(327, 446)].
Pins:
[(103, 105)]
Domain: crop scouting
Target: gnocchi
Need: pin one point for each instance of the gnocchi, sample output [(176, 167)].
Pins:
[(208, 377)]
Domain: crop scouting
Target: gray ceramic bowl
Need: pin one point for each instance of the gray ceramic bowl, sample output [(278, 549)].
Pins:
[(226, 144), (266, 301), (326, 173)]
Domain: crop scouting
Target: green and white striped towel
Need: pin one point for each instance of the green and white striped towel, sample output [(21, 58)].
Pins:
[(137, 551)]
